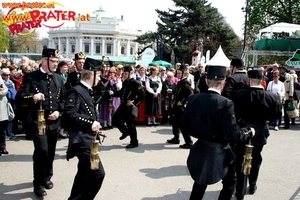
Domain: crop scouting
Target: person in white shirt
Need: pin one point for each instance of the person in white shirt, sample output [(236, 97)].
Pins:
[(277, 87)]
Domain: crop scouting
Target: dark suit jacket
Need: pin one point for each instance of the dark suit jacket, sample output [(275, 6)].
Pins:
[(255, 106), (36, 82), (210, 117), (80, 113)]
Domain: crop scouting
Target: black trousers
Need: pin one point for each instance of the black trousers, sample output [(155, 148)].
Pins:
[(43, 156), (253, 176), (286, 117), (3, 126), (124, 121), (177, 115), (87, 182), (227, 191)]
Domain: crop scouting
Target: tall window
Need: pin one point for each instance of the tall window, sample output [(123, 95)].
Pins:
[(86, 48), (131, 50), (122, 50), (98, 48), (108, 49), (73, 48)]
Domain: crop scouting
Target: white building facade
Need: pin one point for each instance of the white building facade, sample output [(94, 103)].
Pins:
[(101, 36)]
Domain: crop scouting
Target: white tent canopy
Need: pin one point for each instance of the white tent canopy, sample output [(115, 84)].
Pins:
[(279, 27), (219, 59)]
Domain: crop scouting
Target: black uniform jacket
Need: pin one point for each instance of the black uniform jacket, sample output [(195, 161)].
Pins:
[(131, 90), (254, 107), (239, 80), (80, 114), (182, 92), (210, 118), (54, 90)]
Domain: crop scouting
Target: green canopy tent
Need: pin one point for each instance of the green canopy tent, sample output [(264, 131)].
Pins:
[(116, 59), (161, 63)]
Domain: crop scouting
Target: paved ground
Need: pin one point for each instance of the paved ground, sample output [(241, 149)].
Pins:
[(153, 171)]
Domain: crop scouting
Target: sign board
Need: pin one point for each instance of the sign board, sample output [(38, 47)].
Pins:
[(147, 56), (294, 61)]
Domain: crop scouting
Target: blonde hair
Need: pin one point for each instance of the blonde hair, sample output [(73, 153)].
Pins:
[(26, 69), (112, 70)]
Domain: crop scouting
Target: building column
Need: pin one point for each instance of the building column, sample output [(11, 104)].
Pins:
[(118, 48), (128, 48), (136, 48), (103, 47), (115, 48), (92, 46), (59, 45), (67, 47), (51, 43), (80, 44)]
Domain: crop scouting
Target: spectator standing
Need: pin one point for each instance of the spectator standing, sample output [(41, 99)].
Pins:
[(277, 87)]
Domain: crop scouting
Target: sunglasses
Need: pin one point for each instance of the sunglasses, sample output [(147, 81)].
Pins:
[(6, 74), (275, 76)]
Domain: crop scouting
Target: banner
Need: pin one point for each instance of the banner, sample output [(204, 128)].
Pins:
[(147, 56)]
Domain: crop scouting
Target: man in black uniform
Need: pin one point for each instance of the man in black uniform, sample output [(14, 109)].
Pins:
[(74, 77), (80, 113), (210, 118), (201, 85), (237, 80), (131, 96), (253, 107), (44, 89), (181, 93)]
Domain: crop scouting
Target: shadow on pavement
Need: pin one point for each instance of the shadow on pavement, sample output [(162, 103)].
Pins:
[(179, 195), (16, 158), (8, 192), (296, 195), (177, 170)]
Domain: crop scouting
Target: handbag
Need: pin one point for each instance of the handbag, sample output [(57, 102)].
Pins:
[(10, 111), (292, 110)]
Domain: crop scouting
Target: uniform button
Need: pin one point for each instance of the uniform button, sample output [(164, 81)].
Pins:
[(50, 101)]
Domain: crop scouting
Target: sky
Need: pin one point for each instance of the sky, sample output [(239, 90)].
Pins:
[(140, 14)]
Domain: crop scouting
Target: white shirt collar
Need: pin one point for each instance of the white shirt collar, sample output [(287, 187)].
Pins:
[(85, 84), (214, 90), (257, 86), (43, 71)]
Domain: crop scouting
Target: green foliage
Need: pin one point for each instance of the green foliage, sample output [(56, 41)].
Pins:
[(179, 29), (265, 13), (4, 36), (23, 44)]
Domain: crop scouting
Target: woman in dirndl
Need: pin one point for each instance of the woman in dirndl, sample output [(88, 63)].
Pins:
[(108, 104), (153, 96), (141, 77)]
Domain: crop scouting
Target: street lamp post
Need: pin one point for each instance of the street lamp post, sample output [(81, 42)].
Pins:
[(201, 48), (246, 10)]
